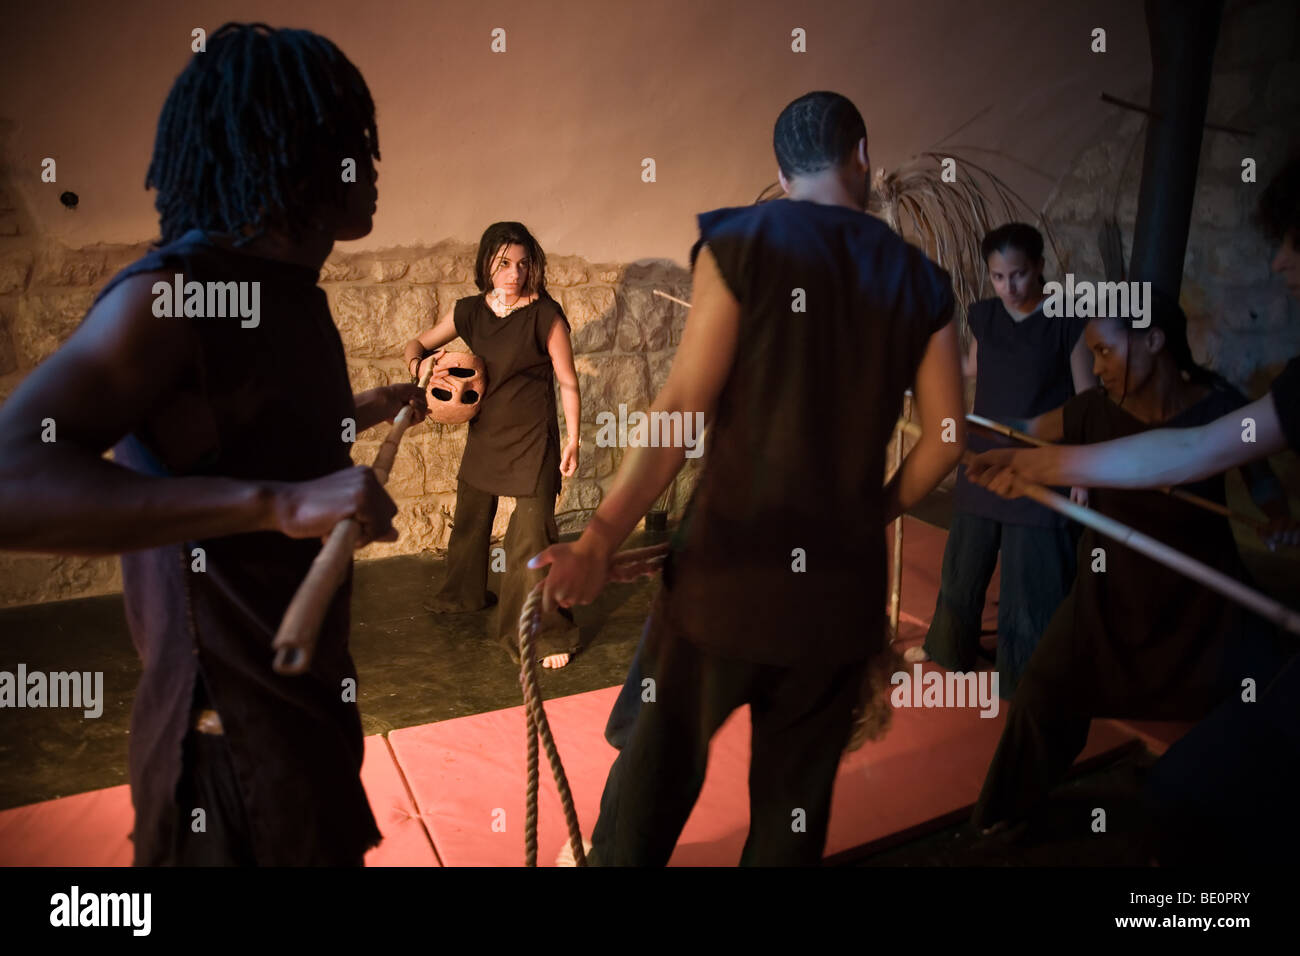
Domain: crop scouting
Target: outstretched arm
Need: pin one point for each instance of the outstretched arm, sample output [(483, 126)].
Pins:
[(63, 497), (699, 370), (1049, 426), (1155, 459)]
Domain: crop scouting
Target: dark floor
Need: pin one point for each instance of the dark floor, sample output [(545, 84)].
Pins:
[(416, 667)]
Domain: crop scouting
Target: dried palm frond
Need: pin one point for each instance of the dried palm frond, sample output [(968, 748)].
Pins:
[(947, 220), (873, 713)]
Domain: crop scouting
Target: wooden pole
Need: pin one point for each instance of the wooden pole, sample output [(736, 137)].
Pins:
[(671, 298), (896, 574), (295, 641), (1006, 431), (1215, 580)]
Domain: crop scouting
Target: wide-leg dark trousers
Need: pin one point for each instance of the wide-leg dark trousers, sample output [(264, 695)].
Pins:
[(802, 718), (1037, 567), (532, 529)]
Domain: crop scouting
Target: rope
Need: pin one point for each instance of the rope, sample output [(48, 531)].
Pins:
[(871, 716), (624, 567)]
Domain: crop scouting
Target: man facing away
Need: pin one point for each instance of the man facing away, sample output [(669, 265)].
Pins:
[(809, 320)]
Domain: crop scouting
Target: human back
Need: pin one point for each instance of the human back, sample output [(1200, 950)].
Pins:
[(802, 423), (836, 314)]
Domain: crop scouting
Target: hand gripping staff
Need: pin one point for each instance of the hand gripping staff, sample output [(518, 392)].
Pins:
[(295, 642)]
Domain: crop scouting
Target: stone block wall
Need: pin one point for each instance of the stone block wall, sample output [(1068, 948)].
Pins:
[(1241, 322), (623, 338)]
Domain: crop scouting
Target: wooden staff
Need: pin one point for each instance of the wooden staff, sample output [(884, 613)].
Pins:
[(1157, 551), (896, 572), (671, 298), (295, 642), (979, 421)]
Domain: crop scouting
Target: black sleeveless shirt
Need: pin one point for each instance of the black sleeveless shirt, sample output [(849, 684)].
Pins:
[(516, 433), (836, 312), (264, 402)]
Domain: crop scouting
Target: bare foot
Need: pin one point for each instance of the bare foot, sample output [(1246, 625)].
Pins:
[(566, 857), (915, 655), (555, 661)]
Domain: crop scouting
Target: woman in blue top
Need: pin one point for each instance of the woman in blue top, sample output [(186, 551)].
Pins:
[(1024, 363)]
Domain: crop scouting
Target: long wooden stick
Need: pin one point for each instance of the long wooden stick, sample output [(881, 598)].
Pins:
[(1007, 431), (1229, 587), (896, 572), (295, 641), (671, 298)]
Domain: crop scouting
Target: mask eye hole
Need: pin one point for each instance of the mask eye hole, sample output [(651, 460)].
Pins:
[(441, 394), (468, 397)]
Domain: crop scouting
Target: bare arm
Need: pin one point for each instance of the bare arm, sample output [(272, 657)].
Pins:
[(1049, 426), (63, 497), (698, 373), (382, 404), (970, 362), (939, 397), (442, 332), (1155, 459), (561, 351)]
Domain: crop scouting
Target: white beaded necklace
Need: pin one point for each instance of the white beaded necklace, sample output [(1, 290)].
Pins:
[(499, 297)]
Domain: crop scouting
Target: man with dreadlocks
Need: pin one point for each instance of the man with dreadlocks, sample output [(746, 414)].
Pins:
[(809, 320), (217, 525)]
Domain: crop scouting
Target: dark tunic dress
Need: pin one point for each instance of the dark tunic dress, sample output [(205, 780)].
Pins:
[(1151, 641), (796, 450), (1139, 640), (296, 746), (1286, 399), (1022, 370), (516, 433)]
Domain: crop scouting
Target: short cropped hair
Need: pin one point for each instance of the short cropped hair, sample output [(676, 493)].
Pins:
[(817, 131)]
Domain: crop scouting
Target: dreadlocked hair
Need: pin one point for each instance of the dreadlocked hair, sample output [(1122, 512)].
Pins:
[(254, 132), (815, 132)]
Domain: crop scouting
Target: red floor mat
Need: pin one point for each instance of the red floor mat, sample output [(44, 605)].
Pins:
[(92, 829), (467, 776)]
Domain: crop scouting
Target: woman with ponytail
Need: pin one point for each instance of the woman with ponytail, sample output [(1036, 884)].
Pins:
[(1133, 639)]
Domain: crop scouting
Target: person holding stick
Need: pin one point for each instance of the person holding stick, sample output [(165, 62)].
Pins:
[(1225, 792), (1134, 638), (1024, 363), (808, 321), (1177, 456), (513, 447), (217, 526)]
